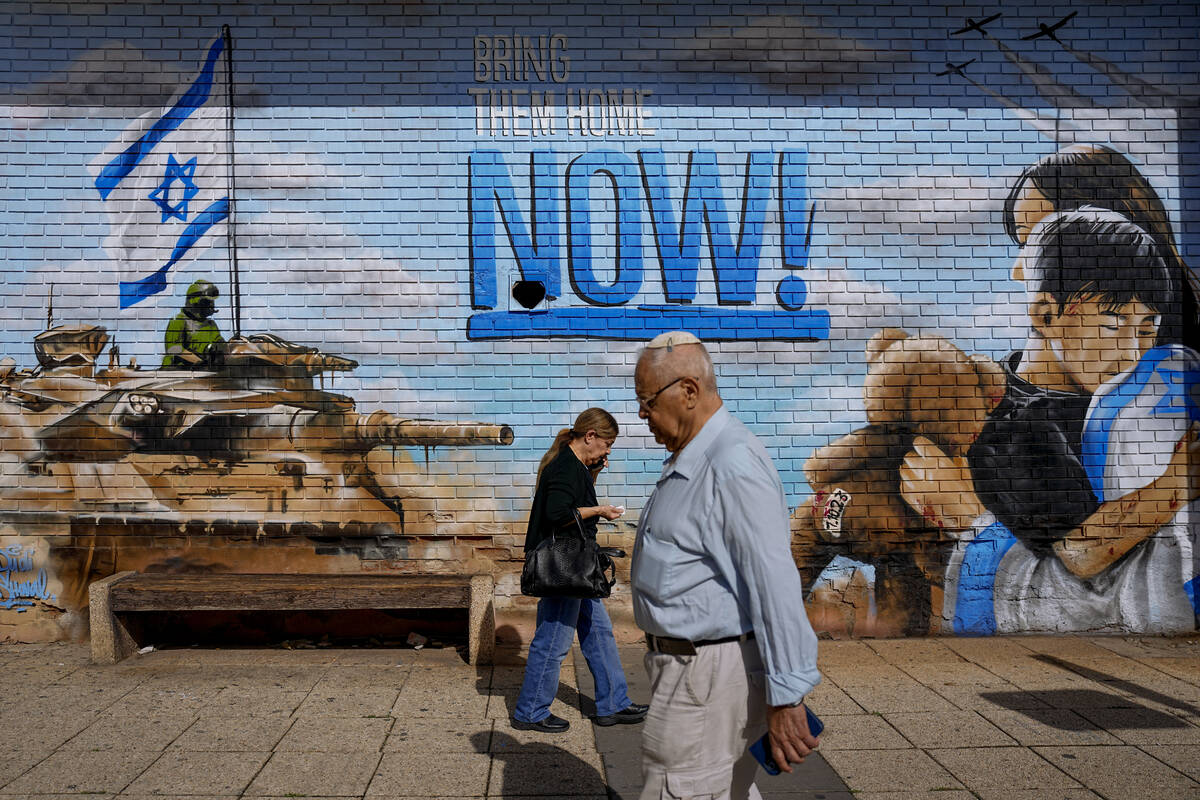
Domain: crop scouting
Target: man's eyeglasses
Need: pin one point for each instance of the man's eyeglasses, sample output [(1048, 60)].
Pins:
[(647, 403)]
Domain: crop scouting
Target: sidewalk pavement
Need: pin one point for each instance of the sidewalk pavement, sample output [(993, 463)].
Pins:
[(944, 719)]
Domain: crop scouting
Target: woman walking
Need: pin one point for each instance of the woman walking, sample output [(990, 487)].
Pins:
[(566, 491)]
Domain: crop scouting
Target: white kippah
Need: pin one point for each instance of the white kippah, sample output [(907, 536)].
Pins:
[(671, 339)]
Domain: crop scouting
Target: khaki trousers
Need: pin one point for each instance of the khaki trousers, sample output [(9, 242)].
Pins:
[(705, 710)]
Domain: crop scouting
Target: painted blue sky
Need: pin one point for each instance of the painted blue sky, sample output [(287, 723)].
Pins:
[(412, 53), (353, 202)]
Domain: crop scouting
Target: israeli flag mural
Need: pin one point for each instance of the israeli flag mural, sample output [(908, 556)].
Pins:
[(164, 182)]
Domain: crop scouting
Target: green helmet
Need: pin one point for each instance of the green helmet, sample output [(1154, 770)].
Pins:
[(201, 289), (201, 300)]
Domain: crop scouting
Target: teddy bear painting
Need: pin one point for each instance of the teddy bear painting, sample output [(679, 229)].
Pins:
[(919, 390)]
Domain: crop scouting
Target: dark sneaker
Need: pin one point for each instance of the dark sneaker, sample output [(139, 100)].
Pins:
[(551, 724), (632, 715)]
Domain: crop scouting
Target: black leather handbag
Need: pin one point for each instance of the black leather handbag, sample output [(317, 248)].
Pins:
[(569, 564)]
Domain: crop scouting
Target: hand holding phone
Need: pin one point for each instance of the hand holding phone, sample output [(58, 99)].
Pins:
[(761, 750)]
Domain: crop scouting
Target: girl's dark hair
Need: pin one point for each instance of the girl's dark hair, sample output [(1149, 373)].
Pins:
[(592, 419), (1095, 175), (1101, 255)]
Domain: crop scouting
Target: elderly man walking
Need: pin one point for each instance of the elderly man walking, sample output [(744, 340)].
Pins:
[(731, 651)]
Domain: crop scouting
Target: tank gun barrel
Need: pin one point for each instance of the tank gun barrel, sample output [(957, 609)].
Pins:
[(350, 431), (382, 428)]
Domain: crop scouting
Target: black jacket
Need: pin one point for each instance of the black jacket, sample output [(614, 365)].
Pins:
[(1027, 463), (565, 484)]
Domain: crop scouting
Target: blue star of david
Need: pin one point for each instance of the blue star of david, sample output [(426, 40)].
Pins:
[(162, 195), (1181, 393)]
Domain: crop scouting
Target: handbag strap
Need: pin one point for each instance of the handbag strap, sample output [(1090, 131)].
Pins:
[(610, 571), (578, 522), (578, 526)]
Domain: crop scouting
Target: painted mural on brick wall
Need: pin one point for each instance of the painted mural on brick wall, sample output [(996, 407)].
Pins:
[(258, 320)]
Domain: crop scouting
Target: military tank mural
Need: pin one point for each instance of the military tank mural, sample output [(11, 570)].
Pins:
[(116, 467)]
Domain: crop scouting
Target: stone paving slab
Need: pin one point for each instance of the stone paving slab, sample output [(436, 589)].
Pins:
[(329, 734), (1121, 772), (349, 701), (522, 774), (254, 700), (888, 770), (20, 759), (888, 697), (1037, 794), (1020, 718), (948, 729), (315, 774), (983, 696), (234, 733), (1184, 758), (859, 731), (854, 675), (851, 652), (405, 774), (827, 699), (439, 735), (948, 672), (85, 772), (1143, 725), (46, 729), (115, 729), (1047, 726), (1002, 768), (177, 773), (180, 697)]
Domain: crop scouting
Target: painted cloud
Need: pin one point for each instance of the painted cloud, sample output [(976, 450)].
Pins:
[(115, 75), (783, 50)]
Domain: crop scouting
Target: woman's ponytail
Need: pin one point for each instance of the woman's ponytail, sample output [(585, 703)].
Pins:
[(560, 441), (592, 419)]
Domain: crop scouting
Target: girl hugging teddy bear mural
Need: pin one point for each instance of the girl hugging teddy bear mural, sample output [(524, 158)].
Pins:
[(1053, 491)]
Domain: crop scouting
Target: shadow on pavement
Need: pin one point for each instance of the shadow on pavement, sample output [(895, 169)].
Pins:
[(1088, 702), (537, 769), (1105, 679)]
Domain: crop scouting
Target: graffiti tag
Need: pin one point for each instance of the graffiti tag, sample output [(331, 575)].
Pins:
[(835, 506), (20, 585)]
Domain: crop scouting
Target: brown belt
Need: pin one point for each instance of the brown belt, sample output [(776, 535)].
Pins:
[(671, 646)]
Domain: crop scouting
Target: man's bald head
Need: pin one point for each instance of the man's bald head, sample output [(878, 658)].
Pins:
[(678, 354), (676, 388)]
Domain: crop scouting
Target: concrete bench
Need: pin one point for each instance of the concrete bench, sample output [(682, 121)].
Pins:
[(134, 591)]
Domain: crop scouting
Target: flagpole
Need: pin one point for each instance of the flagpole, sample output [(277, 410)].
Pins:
[(235, 287)]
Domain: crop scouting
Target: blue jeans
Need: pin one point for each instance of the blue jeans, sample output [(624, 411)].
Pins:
[(558, 619)]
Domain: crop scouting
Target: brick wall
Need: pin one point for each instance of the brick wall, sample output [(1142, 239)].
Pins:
[(400, 165)]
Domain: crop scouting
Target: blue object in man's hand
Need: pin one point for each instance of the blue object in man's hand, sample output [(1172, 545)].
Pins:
[(761, 750)]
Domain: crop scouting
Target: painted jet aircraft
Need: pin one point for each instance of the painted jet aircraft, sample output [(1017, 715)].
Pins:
[(957, 69), (1048, 30), (972, 25)]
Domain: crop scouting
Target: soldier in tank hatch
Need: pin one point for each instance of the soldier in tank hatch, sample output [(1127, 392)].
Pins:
[(193, 339)]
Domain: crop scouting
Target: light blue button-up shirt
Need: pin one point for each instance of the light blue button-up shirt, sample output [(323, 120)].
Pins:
[(713, 558)]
